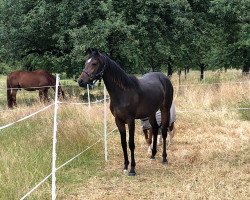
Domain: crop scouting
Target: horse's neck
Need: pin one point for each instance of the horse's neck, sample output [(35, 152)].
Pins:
[(113, 85)]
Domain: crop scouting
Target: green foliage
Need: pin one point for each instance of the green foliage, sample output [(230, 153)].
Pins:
[(141, 35), (245, 113)]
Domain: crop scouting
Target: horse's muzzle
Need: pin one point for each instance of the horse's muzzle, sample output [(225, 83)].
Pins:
[(81, 83)]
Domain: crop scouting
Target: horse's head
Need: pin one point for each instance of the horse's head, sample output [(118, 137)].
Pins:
[(94, 68)]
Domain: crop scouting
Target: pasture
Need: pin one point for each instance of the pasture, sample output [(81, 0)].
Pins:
[(209, 158)]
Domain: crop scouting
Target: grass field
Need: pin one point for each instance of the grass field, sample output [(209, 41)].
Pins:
[(210, 157)]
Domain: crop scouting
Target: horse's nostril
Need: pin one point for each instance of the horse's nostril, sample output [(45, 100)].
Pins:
[(80, 81)]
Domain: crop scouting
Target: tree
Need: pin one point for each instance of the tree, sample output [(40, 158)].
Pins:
[(232, 41)]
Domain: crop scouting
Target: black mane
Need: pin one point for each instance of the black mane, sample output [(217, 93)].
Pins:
[(123, 80)]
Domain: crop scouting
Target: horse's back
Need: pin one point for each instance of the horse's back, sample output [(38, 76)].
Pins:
[(154, 77), (26, 79)]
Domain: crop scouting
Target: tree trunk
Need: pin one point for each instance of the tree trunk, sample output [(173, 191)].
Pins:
[(170, 66), (245, 70), (179, 74), (170, 70), (202, 68), (186, 71), (246, 65)]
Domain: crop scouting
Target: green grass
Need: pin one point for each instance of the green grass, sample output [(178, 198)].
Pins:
[(245, 114), (26, 149)]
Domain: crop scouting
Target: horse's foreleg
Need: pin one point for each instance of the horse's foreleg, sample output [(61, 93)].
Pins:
[(121, 127), (155, 128), (131, 126), (13, 97)]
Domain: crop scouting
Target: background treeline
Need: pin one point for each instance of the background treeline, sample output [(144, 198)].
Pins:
[(142, 35)]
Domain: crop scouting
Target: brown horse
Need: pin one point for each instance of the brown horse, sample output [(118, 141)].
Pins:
[(36, 80), (131, 99), (147, 129)]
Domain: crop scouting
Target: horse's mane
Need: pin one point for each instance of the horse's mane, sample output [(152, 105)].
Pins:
[(119, 76)]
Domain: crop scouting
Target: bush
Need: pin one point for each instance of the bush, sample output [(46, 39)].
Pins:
[(4, 68)]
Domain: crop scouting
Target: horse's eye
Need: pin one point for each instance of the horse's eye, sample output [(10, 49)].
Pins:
[(94, 64)]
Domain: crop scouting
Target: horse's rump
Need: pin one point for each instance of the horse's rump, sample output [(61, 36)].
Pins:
[(155, 89)]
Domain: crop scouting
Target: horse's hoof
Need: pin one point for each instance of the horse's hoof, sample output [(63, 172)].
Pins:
[(152, 158), (125, 171), (165, 162), (131, 173)]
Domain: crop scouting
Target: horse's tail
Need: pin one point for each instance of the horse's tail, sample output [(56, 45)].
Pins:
[(60, 91), (169, 93), (9, 98)]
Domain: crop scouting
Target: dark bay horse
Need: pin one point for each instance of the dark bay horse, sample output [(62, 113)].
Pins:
[(30, 80), (131, 99)]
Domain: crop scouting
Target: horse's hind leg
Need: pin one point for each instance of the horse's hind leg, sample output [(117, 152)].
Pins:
[(46, 98), (165, 122), (155, 128), (171, 133), (41, 95), (148, 138), (121, 127)]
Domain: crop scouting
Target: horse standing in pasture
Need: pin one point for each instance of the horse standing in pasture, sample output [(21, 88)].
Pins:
[(147, 129), (131, 99), (35, 80)]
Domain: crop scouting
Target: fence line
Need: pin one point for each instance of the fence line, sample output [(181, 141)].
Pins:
[(62, 165), (37, 186), (218, 83), (210, 110), (26, 117), (207, 84), (79, 103)]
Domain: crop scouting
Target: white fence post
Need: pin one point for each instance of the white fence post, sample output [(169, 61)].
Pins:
[(105, 124), (88, 95), (54, 141)]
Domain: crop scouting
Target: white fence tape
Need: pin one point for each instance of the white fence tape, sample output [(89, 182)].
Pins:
[(27, 194), (67, 162), (207, 84), (210, 110), (10, 124), (79, 103)]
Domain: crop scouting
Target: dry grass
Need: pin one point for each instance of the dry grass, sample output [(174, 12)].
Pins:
[(210, 157)]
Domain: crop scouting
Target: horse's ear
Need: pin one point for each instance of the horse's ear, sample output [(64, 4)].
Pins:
[(95, 52), (88, 51), (92, 51)]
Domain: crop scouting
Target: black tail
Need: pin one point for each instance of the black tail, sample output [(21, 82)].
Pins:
[(9, 98), (60, 91)]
